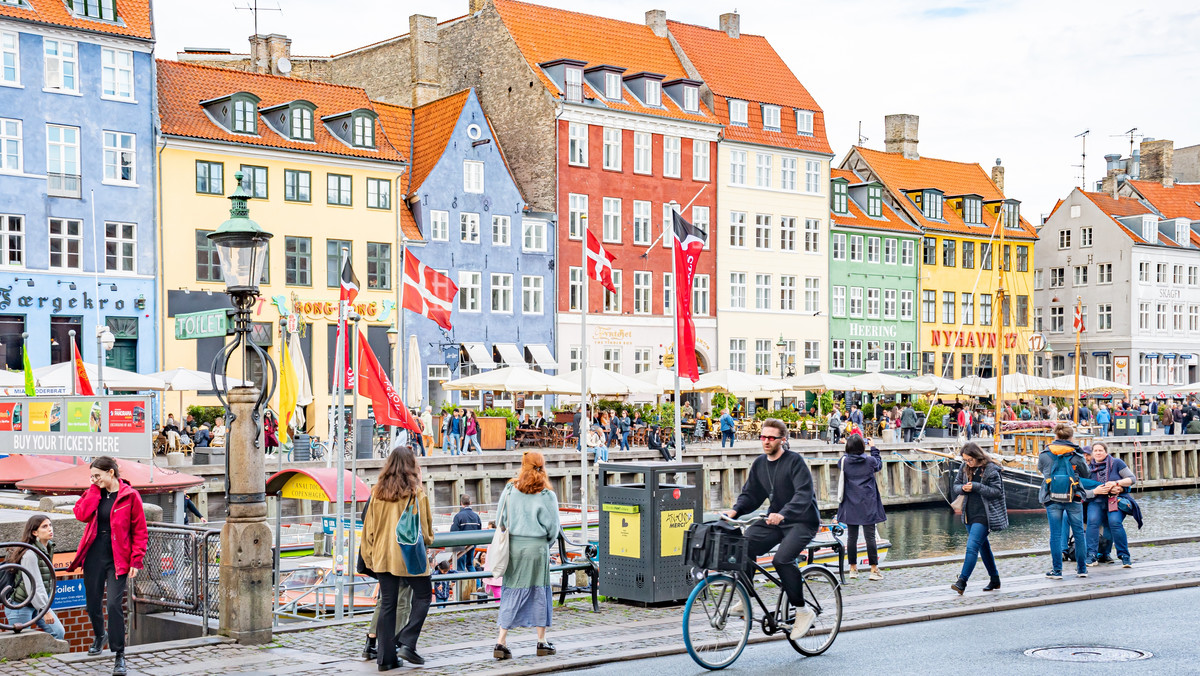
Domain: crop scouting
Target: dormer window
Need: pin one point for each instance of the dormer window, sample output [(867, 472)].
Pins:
[(931, 204), (691, 99), (1182, 232), (737, 112), (364, 131), (804, 122), (770, 115), (302, 124), (1150, 229), (1012, 214), (875, 201), (612, 86), (653, 93), (105, 10), (972, 210), (245, 116), (573, 77), (355, 128), (841, 197)]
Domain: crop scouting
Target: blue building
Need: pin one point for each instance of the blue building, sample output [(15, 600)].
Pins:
[(78, 247), (478, 231)]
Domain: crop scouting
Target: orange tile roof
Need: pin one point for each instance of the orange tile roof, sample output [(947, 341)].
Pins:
[(435, 123), (546, 33), (859, 218), (133, 17), (1179, 201), (182, 86), (397, 122), (1119, 206), (724, 63), (952, 178)]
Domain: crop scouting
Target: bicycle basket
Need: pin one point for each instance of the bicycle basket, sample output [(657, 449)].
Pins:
[(716, 546)]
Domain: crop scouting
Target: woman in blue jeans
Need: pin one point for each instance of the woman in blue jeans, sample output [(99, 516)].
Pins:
[(1115, 478), (35, 582), (1063, 459), (979, 482)]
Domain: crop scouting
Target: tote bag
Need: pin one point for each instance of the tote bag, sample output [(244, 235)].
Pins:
[(410, 539), (497, 552)]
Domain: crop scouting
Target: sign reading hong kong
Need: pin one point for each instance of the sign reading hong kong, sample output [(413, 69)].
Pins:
[(86, 426), (970, 339), (327, 309)]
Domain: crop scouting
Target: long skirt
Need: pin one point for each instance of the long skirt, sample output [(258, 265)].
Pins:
[(526, 599)]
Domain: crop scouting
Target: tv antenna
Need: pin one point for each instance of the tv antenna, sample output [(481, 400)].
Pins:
[(861, 139), (252, 7), (1083, 158), (1132, 134)]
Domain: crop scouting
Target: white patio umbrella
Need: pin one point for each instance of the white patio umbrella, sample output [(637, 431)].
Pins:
[(413, 368), (969, 387), (739, 383), (1023, 383), (820, 381), (1090, 385), (1190, 388), (59, 375), (882, 383), (665, 379), (12, 378), (602, 382), (190, 380), (976, 386), (512, 379)]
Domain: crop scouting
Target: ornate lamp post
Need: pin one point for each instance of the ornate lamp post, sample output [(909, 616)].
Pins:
[(246, 564)]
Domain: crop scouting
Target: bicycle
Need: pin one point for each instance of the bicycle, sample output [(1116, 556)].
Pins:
[(717, 616)]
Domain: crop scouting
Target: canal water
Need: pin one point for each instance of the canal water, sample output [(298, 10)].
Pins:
[(938, 531)]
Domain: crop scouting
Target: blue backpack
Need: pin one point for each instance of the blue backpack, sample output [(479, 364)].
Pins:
[(1063, 481), (410, 540)]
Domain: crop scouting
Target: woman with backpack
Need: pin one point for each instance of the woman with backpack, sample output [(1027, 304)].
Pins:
[(859, 504), (38, 532), (110, 552), (978, 482), (528, 511), (1062, 492), (397, 529)]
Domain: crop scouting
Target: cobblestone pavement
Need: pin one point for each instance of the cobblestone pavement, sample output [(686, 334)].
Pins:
[(460, 641)]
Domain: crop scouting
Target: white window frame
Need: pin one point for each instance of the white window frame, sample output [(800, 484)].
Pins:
[(62, 65), (613, 86), (787, 172), (12, 240), (612, 301), (762, 356), (838, 246), (770, 115), (575, 288), (812, 295), (533, 294), (470, 285), (763, 163), (12, 146), (10, 58), (738, 112), (889, 303), (837, 354), (533, 234), (889, 251), (641, 360), (501, 230), (700, 159), (668, 291), (908, 252), (700, 296), (873, 246), (737, 290), (643, 222), (1104, 316), (610, 359), (653, 93), (643, 152), (439, 225), (473, 176), (907, 310), (837, 301), (66, 242), (856, 301), (691, 98), (737, 229), (643, 292), (737, 354), (804, 122), (64, 149), (612, 220), (468, 228), (737, 167), (612, 148), (577, 144), (812, 177), (501, 292), (125, 246), (672, 152), (787, 234), (700, 221), (577, 209), (856, 249), (117, 75), (762, 291), (118, 155), (787, 293), (762, 231)]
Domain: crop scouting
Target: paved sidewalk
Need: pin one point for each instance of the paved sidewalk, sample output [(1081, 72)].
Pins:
[(460, 641)]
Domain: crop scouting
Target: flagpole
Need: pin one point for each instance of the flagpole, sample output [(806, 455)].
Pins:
[(1078, 354), (675, 321), (398, 353), (354, 455), (584, 422), (74, 366), (339, 449), (282, 414)]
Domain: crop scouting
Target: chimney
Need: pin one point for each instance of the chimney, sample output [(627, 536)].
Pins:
[(998, 175), (267, 50), (900, 135), (423, 50), (731, 23), (476, 6), (656, 19), (1157, 158)]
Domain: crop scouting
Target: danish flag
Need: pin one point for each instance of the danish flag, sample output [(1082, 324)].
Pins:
[(1078, 323), (599, 263), (428, 292)]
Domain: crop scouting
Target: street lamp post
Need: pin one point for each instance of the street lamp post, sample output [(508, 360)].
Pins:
[(782, 345), (246, 589), (104, 342), (393, 337)]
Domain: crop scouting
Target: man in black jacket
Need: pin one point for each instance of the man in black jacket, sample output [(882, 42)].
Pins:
[(782, 480)]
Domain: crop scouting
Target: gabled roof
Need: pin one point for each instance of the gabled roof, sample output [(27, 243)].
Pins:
[(434, 122), (1119, 207), (182, 86), (748, 68), (544, 34), (953, 178), (398, 120), (133, 17), (1182, 200), (859, 219)]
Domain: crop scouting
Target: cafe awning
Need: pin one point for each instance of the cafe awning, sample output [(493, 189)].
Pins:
[(75, 479), (510, 354), (542, 356), (480, 355), (318, 484)]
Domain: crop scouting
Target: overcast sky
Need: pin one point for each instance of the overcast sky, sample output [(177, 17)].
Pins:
[(1014, 79)]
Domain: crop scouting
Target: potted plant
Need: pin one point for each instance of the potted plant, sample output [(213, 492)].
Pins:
[(933, 424)]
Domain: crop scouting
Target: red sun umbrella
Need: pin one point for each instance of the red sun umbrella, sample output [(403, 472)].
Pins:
[(318, 484), (16, 468), (146, 479)]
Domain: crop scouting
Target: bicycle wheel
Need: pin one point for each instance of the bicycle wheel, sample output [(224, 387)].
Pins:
[(823, 595), (716, 621)]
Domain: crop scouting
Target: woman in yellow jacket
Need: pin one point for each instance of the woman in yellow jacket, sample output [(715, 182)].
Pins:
[(399, 488)]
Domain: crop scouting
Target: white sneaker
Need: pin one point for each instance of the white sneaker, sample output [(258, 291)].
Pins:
[(852, 574), (804, 622), (874, 577)]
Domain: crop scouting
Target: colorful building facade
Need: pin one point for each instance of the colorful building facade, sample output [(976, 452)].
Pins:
[(77, 167)]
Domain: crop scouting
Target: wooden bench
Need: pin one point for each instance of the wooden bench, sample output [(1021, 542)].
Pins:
[(565, 566)]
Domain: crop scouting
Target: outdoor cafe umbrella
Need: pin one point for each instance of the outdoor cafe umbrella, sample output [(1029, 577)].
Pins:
[(979, 387), (12, 379), (665, 379), (60, 374), (882, 383), (513, 379), (1023, 383), (1088, 385), (190, 380), (413, 392), (963, 387), (602, 382), (1190, 388), (739, 383), (819, 382)]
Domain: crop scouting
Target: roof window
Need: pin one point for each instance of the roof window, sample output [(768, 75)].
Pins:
[(770, 115), (737, 112), (875, 201), (691, 98), (612, 86), (355, 128), (653, 92), (840, 196), (573, 90), (104, 10), (804, 122), (931, 204)]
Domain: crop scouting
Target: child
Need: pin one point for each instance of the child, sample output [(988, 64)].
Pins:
[(441, 590)]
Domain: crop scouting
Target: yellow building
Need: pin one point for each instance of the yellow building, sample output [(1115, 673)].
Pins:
[(323, 167), (964, 215)]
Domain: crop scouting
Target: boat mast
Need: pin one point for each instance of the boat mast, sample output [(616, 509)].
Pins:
[(998, 258)]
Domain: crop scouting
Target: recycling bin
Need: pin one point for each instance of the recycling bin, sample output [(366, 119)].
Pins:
[(1124, 424), (645, 511)]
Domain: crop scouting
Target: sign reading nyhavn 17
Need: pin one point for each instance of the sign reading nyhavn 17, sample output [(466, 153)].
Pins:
[(206, 324)]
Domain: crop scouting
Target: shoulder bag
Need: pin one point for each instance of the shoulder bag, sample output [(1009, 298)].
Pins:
[(410, 539), (497, 552), (360, 565), (841, 479)]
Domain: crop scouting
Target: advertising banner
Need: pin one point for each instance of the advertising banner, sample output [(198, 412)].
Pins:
[(83, 426)]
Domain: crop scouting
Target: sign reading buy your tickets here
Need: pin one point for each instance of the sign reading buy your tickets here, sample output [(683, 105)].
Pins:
[(88, 426)]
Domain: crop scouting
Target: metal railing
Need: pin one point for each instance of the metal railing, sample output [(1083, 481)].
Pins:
[(181, 571), (22, 576), (64, 185)]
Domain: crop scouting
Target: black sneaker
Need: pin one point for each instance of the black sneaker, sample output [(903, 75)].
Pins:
[(409, 655), (1054, 575), (98, 645), (547, 648), (501, 652)]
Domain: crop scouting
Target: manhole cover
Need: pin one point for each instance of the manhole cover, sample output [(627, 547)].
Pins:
[(1088, 653)]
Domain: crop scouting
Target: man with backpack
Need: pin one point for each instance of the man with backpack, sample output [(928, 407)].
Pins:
[(1062, 491)]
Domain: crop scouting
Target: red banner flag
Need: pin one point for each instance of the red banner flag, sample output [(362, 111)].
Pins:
[(688, 242), (82, 385), (599, 263), (428, 292), (373, 383)]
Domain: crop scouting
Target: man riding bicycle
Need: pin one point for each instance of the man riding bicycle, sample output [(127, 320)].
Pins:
[(782, 479)]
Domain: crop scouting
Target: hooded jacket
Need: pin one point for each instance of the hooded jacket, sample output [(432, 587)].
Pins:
[(1060, 447), (128, 527), (861, 504), (990, 487)]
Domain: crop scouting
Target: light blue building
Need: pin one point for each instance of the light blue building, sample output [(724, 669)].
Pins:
[(78, 247), (477, 230)]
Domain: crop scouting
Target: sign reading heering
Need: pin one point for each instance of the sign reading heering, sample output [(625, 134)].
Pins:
[(206, 324)]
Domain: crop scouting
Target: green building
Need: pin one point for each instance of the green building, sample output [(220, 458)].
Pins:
[(873, 276)]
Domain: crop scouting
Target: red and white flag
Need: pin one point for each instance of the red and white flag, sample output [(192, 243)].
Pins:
[(81, 384), (688, 243), (1078, 323), (599, 263), (373, 383), (348, 291), (428, 292)]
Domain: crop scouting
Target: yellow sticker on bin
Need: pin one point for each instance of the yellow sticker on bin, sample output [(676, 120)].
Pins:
[(623, 509), (675, 523), (625, 534)]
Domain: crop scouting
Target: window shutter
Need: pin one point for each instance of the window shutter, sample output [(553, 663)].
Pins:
[(53, 72)]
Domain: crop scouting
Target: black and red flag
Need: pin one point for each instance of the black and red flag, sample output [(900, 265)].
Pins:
[(689, 242), (346, 295)]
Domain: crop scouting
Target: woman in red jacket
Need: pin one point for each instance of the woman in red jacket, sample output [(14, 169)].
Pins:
[(110, 552)]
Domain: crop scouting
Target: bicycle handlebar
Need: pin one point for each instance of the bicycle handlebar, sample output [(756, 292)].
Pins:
[(746, 521)]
